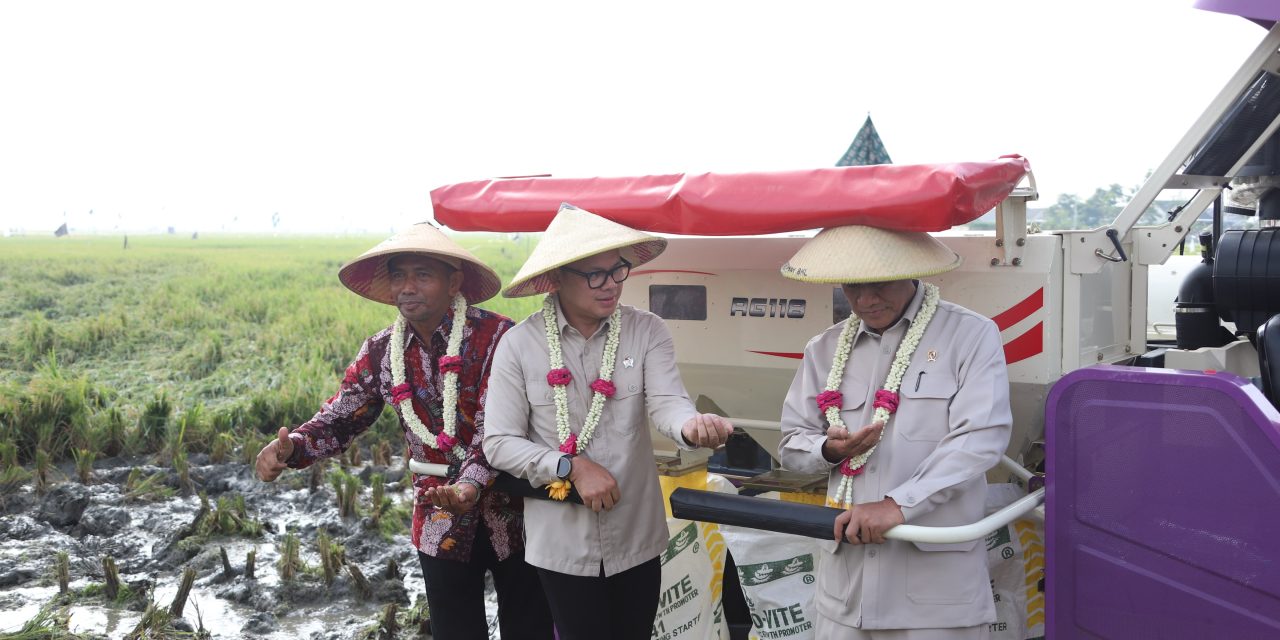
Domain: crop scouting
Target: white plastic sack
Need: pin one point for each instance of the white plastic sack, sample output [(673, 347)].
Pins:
[(689, 605), (1015, 559), (779, 574)]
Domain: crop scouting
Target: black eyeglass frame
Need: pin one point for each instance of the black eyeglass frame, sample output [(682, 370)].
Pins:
[(603, 274)]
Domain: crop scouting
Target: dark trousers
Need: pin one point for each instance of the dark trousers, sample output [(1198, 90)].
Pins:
[(620, 607), (455, 595)]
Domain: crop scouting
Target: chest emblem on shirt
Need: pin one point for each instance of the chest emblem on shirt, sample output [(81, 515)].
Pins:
[(933, 355), (629, 362)]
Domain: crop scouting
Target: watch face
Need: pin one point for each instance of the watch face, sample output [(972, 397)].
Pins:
[(563, 468)]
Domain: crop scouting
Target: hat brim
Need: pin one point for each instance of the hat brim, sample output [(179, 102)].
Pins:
[(637, 253), (860, 254), (367, 275)]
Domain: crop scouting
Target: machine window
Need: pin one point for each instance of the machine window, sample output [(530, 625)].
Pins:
[(678, 301), (839, 305)]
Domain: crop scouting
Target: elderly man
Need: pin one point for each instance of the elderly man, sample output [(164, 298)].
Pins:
[(568, 395), (906, 405), (432, 366)]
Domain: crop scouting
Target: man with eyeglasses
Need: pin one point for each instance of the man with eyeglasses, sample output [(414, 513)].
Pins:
[(568, 397)]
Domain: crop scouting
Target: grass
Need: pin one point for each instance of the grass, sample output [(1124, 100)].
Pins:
[(222, 339)]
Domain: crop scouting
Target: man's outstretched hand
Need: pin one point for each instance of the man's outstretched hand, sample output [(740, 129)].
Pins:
[(706, 430), (272, 458)]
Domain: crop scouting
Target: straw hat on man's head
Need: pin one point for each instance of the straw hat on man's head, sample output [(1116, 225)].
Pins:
[(855, 254), (367, 275), (575, 234)]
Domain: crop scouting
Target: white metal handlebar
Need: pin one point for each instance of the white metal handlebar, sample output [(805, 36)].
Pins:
[(906, 532)]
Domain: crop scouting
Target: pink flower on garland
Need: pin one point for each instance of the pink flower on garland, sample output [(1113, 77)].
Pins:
[(604, 387), (828, 399), (445, 442), (559, 377), (887, 400), (848, 471), (401, 392), (450, 364), (570, 445)]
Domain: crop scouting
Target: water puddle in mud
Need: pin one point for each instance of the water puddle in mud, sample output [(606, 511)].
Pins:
[(90, 522)]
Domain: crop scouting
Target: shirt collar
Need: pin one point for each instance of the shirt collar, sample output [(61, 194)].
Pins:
[(441, 333)]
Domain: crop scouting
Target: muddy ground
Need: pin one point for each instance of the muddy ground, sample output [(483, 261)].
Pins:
[(150, 543)]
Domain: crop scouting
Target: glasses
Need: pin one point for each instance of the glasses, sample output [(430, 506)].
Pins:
[(596, 279)]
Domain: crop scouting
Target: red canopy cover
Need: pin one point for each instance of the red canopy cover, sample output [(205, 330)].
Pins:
[(924, 197)]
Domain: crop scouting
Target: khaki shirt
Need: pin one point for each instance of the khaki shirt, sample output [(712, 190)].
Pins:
[(952, 425), (520, 438)]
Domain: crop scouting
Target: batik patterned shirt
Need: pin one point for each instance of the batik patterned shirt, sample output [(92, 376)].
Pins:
[(360, 399)]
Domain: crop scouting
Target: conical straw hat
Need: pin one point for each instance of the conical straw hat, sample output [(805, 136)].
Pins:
[(367, 275), (852, 254), (575, 234)]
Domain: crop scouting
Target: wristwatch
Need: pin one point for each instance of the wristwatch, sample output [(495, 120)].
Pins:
[(564, 467)]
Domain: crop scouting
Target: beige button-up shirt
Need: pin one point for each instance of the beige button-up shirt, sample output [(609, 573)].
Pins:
[(952, 425), (520, 438)]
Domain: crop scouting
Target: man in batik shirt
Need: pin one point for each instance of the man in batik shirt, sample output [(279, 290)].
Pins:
[(432, 366)]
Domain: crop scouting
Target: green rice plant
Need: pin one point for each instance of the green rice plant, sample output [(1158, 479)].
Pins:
[(153, 423), (84, 465), (12, 479), (150, 489), (156, 622), (250, 560), (51, 411), (395, 520), (326, 560), (111, 432), (8, 454), (351, 493), (377, 502), (183, 468), (35, 340), (289, 564), (184, 589), (42, 471), (111, 579), (48, 624), (223, 443), (204, 357), (62, 570)]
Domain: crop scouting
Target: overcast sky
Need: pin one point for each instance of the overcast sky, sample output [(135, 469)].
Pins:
[(343, 116)]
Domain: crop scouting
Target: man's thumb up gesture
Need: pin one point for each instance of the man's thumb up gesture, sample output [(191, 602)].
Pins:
[(271, 460)]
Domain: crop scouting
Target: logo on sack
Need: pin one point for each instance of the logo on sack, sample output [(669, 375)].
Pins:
[(681, 541), (754, 574), (998, 537)]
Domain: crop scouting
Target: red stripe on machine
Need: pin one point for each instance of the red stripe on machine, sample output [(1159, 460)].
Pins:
[(1026, 345), (1019, 312), (779, 354)]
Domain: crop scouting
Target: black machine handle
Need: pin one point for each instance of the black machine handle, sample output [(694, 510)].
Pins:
[(1114, 237), (795, 518)]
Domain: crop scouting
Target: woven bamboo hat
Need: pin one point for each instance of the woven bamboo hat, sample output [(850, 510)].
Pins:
[(367, 274), (575, 234), (853, 254)]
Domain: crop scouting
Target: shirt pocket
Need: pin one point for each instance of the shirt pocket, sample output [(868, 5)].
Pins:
[(924, 406), (853, 398), (942, 573), (539, 392), (627, 402)]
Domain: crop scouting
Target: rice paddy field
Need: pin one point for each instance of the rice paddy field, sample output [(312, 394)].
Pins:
[(151, 375)]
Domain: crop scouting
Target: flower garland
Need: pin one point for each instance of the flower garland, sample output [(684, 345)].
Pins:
[(559, 378), (886, 402), (450, 365)]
